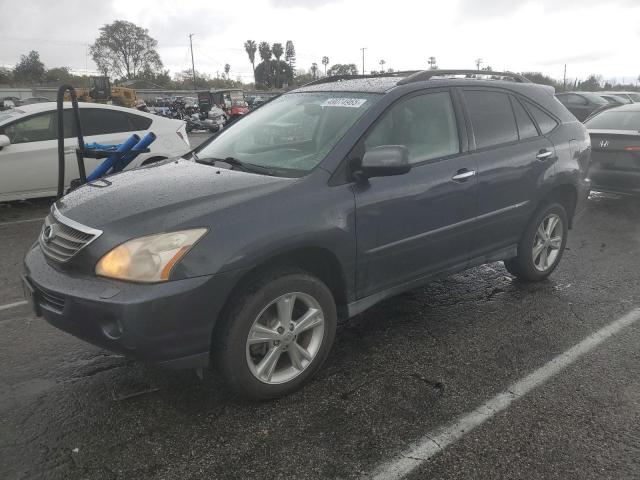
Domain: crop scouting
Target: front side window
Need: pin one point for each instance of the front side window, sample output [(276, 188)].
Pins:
[(425, 124), (492, 117), (293, 133), (37, 128)]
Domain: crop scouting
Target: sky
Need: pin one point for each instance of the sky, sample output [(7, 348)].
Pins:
[(590, 36)]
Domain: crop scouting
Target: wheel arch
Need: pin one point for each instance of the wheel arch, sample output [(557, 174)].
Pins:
[(566, 194)]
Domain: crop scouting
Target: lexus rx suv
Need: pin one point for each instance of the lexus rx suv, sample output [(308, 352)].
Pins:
[(314, 207)]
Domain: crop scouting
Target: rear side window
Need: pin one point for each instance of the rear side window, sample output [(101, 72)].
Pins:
[(425, 124), (37, 128), (545, 121), (492, 118), (102, 121), (526, 127)]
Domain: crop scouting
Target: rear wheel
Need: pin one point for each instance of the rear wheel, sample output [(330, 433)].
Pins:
[(542, 244), (276, 335)]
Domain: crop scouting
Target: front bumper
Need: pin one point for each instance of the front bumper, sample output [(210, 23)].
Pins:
[(169, 323)]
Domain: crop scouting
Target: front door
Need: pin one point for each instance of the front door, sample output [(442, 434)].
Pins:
[(416, 224)]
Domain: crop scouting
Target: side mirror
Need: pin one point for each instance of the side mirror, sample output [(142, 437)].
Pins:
[(4, 141), (385, 161)]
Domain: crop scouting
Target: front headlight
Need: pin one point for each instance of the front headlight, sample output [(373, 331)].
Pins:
[(148, 259)]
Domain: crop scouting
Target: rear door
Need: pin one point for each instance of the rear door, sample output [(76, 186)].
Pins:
[(104, 126), (512, 156), (412, 225)]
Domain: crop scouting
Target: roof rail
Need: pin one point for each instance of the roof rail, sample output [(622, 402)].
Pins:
[(338, 78), (428, 74)]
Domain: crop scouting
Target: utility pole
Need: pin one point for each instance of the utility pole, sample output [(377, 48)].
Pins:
[(478, 63), (193, 65), (564, 79), (363, 49)]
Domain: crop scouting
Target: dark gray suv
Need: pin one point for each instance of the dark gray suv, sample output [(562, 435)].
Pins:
[(314, 207)]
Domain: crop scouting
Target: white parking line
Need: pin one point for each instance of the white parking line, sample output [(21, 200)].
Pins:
[(12, 305), (15, 222), (438, 439)]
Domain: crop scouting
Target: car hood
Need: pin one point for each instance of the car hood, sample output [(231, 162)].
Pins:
[(164, 195)]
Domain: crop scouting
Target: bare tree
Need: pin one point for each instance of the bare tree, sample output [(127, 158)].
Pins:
[(227, 69), (382, 62)]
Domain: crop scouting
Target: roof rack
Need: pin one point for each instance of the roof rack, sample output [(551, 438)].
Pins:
[(429, 74), (338, 78)]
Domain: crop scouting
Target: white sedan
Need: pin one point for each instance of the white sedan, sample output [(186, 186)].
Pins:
[(29, 145)]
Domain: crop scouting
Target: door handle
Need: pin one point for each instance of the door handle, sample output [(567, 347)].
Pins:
[(544, 154), (463, 175), (69, 150)]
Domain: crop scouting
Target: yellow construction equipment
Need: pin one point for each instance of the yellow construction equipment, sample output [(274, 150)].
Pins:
[(101, 91)]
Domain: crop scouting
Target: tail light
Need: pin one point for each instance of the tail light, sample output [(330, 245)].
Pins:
[(182, 133), (632, 149)]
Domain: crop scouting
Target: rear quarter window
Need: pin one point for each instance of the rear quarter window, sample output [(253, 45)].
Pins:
[(545, 122), (138, 122)]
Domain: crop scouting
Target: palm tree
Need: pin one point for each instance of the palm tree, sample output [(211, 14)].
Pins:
[(227, 69), (290, 55), (265, 54), (382, 62), (325, 62), (277, 50), (314, 70), (250, 48)]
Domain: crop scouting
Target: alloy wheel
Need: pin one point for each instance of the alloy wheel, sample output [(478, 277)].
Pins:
[(285, 337), (547, 242)]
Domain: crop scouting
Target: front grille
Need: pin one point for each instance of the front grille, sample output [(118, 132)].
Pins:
[(61, 238), (50, 299)]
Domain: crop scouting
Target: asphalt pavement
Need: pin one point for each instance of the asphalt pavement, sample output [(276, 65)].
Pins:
[(397, 372)]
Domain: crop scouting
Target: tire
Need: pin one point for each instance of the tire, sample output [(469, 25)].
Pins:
[(244, 363), (529, 265)]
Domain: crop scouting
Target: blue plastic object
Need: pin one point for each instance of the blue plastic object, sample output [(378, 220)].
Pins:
[(106, 165), (139, 147)]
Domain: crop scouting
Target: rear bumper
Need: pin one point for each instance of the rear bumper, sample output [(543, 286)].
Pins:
[(168, 323), (615, 181)]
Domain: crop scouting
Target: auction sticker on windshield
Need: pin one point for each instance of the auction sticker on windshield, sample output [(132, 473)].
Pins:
[(344, 102)]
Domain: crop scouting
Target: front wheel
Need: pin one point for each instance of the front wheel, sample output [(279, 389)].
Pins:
[(541, 245), (276, 335)]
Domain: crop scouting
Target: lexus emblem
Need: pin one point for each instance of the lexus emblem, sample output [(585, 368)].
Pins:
[(604, 143), (48, 233)]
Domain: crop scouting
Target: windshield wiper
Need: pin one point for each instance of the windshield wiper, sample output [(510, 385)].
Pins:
[(237, 165)]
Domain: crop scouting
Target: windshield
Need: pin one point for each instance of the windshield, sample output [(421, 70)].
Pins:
[(293, 133), (235, 99), (615, 120), (634, 96)]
